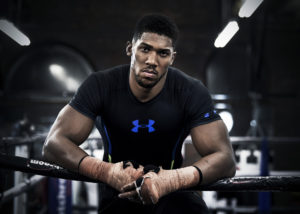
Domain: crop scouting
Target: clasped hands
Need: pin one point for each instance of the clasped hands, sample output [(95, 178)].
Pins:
[(146, 188), (137, 183), (154, 182)]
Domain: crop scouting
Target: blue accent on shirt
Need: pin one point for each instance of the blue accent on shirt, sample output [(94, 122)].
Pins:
[(176, 145), (108, 140)]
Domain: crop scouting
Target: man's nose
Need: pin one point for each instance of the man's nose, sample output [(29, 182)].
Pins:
[(152, 59)]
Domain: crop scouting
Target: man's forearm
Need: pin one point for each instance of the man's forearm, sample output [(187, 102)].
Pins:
[(216, 166), (63, 152)]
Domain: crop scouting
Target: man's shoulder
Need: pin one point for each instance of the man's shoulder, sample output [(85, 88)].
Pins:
[(113, 78), (182, 80), (113, 71)]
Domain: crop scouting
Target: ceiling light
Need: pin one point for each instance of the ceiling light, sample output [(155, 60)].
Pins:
[(228, 32), (14, 33), (248, 8), (227, 118)]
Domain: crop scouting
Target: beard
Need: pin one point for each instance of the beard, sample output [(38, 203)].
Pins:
[(150, 83)]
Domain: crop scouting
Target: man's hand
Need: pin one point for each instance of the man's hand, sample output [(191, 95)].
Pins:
[(116, 175), (152, 186)]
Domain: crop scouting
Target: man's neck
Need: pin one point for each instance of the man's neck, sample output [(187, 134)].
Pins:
[(145, 94)]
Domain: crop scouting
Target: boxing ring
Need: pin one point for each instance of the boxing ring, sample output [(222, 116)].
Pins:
[(41, 170)]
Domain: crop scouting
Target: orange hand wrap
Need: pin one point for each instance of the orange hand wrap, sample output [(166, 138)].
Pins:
[(153, 185), (114, 175)]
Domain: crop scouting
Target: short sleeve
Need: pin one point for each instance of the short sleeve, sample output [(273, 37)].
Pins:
[(87, 99), (199, 106)]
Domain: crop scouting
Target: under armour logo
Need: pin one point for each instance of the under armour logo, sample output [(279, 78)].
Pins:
[(137, 126)]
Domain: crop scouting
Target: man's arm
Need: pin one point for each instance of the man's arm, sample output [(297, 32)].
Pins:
[(69, 130), (212, 143)]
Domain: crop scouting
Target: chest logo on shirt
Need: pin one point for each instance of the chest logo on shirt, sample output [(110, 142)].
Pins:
[(137, 126)]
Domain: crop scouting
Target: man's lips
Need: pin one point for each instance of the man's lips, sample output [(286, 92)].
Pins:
[(149, 73)]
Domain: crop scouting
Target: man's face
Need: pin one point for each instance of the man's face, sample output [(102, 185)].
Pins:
[(151, 55)]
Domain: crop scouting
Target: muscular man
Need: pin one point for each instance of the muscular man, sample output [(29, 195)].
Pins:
[(144, 111)]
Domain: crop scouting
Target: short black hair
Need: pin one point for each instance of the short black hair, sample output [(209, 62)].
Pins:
[(156, 23)]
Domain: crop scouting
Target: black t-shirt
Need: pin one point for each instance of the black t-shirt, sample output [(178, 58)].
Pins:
[(148, 132)]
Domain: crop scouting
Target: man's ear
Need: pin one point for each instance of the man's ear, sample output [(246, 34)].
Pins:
[(173, 57), (129, 48)]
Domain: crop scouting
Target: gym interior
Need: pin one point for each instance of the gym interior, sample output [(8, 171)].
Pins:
[(253, 76)]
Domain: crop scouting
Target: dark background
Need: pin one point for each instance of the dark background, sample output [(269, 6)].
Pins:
[(260, 62), (259, 70)]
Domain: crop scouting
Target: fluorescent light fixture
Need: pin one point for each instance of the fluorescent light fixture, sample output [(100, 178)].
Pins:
[(228, 32), (220, 96), (227, 118), (72, 84), (248, 8), (14, 33), (60, 74), (220, 106)]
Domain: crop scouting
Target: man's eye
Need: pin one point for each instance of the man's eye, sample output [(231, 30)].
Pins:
[(164, 53), (145, 49)]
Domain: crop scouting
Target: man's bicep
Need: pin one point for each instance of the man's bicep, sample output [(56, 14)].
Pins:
[(210, 138), (72, 124)]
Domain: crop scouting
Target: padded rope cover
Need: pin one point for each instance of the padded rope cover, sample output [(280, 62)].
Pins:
[(253, 184), (39, 167), (256, 184)]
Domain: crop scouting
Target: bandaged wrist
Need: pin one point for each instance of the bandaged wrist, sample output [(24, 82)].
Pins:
[(172, 180), (95, 168), (187, 177), (80, 162), (200, 174)]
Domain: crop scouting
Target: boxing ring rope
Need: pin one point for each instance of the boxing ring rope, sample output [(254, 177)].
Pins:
[(21, 188), (236, 184), (39, 167), (42, 169)]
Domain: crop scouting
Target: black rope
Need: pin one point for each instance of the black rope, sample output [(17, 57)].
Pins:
[(20, 188), (39, 167), (253, 184), (256, 184)]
